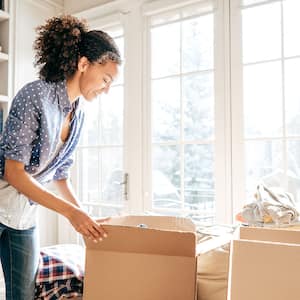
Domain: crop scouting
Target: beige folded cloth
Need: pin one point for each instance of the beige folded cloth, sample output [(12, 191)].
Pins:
[(270, 206)]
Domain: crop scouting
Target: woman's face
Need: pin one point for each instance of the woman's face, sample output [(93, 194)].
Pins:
[(97, 78)]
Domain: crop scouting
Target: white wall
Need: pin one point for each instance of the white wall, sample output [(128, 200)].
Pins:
[(28, 14)]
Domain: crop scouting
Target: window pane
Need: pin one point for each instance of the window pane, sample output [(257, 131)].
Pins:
[(263, 100), (197, 44), (166, 109), (89, 175), (199, 178), (291, 9), (101, 169), (111, 166), (264, 159), (261, 33), (111, 116), (293, 173), (292, 96), (198, 99), (165, 50), (90, 130), (166, 177)]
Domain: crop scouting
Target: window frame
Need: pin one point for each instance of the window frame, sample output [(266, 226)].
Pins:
[(237, 122)]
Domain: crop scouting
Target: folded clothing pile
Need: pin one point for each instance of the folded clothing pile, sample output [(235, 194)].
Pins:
[(61, 271), (270, 206)]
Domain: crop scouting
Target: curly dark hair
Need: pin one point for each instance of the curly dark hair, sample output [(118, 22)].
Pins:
[(63, 40)]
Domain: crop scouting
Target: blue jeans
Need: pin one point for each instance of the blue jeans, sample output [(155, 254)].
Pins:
[(19, 253)]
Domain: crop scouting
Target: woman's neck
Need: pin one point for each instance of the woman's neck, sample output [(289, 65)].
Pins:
[(73, 88)]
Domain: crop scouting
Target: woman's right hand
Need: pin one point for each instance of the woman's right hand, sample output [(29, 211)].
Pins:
[(85, 225)]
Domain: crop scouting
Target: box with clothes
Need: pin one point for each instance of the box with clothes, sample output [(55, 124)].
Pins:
[(264, 264)]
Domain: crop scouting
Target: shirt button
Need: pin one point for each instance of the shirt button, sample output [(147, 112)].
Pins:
[(66, 109)]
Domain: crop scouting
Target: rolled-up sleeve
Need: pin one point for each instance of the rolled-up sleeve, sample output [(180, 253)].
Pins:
[(20, 129), (63, 171)]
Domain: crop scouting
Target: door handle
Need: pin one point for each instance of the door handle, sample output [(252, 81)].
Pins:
[(125, 184)]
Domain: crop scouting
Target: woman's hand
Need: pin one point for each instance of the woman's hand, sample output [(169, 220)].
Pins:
[(86, 226), (103, 220)]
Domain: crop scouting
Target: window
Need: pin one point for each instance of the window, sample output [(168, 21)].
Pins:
[(208, 107)]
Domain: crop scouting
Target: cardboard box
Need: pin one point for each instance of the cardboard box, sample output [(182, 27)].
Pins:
[(264, 264), (137, 263)]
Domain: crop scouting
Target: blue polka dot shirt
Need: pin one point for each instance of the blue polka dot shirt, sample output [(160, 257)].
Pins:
[(33, 128)]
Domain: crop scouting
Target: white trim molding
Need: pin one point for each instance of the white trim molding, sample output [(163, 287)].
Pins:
[(159, 6)]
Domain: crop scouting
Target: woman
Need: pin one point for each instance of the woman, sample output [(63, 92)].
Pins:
[(41, 132)]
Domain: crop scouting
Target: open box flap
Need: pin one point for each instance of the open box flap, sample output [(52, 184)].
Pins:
[(156, 222), (145, 240), (270, 234)]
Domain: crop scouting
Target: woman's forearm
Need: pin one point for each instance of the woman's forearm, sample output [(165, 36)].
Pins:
[(65, 188), (16, 176)]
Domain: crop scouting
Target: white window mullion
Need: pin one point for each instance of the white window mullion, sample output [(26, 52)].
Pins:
[(99, 187), (99, 150), (146, 115), (223, 149), (237, 112), (284, 140), (182, 145), (133, 153)]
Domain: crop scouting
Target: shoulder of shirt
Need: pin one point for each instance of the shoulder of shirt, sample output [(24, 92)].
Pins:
[(37, 89), (39, 84)]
